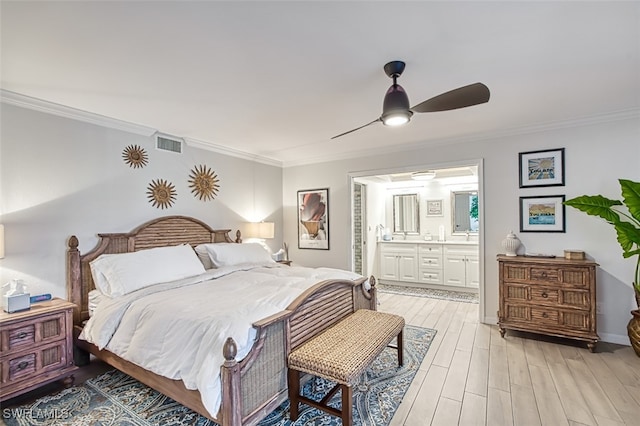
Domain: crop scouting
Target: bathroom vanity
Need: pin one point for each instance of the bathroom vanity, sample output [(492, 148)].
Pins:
[(430, 263)]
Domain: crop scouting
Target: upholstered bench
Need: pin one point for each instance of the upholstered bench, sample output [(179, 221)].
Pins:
[(341, 354)]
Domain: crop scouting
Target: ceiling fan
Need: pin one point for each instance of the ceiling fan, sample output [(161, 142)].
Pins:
[(395, 108)]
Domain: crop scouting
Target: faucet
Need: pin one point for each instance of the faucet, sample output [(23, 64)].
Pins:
[(467, 234)]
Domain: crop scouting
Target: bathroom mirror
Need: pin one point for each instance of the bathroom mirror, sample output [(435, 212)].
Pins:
[(406, 215), (464, 212)]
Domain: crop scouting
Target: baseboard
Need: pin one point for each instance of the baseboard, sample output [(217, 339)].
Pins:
[(618, 339)]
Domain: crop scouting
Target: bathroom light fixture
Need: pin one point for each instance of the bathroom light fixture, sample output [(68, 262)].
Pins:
[(426, 175)]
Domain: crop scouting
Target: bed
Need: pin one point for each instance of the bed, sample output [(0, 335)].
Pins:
[(251, 387)]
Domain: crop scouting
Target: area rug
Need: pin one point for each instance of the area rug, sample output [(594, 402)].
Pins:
[(114, 398), (456, 296)]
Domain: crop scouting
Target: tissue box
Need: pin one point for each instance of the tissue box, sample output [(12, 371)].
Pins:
[(16, 302)]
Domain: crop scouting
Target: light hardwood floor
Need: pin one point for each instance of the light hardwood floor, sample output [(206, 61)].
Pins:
[(472, 376)]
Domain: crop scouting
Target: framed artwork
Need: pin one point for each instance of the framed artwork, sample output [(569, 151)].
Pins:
[(542, 214), (434, 207), (313, 219), (542, 168)]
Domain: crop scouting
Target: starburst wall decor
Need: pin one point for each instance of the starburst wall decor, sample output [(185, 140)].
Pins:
[(135, 156), (161, 193), (203, 183)]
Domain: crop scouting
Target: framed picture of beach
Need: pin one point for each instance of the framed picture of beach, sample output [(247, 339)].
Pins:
[(542, 214), (542, 168), (313, 219)]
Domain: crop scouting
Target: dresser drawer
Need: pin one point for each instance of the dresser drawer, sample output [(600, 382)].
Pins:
[(42, 359), (41, 330), (549, 296), (534, 318)]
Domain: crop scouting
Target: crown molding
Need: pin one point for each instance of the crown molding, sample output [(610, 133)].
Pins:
[(47, 107), (197, 143), (627, 114), (17, 99)]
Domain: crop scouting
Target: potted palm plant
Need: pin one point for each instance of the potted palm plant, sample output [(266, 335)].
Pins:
[(625, 217)]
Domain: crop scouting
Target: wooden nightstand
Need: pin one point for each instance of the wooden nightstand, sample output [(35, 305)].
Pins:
[(284, 262), (36, 347)]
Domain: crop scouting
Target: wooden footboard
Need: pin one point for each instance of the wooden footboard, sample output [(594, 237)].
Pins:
[(253, 387)]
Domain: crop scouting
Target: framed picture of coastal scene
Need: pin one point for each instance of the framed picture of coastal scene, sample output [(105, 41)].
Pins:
[(313, 219), (542, 168), (542, 214)]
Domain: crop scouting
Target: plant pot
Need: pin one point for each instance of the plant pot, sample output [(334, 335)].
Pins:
[(633, 329)]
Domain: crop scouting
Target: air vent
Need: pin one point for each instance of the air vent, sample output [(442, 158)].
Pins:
[(168, 143)]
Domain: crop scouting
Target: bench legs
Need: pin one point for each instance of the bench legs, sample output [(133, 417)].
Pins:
[(346, 414)]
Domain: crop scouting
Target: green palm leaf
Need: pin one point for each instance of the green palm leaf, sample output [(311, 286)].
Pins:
[(596, 205), (631, 196), (628, 235)]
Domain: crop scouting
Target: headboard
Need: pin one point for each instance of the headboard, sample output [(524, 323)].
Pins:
[(164, 231)]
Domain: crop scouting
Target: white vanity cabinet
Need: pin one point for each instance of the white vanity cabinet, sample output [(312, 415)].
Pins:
[(461, 266), (398, 262), (430, 268)]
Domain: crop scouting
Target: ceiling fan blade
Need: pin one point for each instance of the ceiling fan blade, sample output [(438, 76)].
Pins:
[(461, 97), (357, 128)]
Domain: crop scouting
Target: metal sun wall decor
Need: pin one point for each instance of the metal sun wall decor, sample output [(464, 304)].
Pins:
[(203, 183), (135, 156), (161, 194)]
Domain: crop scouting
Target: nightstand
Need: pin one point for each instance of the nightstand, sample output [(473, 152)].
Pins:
[(36, 347), (284, 262)]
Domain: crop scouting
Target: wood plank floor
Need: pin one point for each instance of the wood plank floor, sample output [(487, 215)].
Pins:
[(472, 376)]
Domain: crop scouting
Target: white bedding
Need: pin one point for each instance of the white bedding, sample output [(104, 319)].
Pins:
[(177, 329)]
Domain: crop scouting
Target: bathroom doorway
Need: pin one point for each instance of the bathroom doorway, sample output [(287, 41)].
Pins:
[(372, 212)]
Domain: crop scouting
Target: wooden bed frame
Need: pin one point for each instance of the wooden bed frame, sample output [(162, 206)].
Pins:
[(251, 388)]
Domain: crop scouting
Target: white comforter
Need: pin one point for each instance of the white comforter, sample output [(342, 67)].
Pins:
[(177, 329)]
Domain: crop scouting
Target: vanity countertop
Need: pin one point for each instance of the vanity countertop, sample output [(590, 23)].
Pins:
[(452, 242)]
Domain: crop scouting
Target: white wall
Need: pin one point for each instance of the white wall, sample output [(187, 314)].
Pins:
[(61, 177), (596, 155)]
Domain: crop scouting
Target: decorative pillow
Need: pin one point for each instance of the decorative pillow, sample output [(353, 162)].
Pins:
[(229, 254), (119, 274), (203, 255)]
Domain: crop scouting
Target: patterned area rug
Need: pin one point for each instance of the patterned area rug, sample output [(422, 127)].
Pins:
[(114, 398), (456, 296)]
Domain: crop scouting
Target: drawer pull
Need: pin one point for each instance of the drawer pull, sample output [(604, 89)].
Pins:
[(545, 295), (22, 335), (23, 365), (544, 275), (544, 315)]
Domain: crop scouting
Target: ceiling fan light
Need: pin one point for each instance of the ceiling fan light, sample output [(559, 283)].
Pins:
[(395, 109), (426, 175), (395, 120)]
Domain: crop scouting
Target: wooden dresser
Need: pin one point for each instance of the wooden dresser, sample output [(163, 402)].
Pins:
[(36, 347), (552, 296)]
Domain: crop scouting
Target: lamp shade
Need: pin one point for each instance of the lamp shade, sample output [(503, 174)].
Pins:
[(1, 241), (261, 230)]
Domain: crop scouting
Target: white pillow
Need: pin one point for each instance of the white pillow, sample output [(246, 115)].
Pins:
[(230, 254), (119, 274), (203, 255)]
